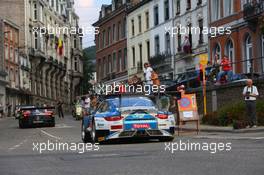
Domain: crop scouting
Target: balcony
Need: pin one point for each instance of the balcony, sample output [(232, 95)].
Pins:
[(251, 10), (160, 60)]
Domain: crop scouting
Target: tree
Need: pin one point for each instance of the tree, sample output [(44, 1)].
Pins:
[(89, 65)]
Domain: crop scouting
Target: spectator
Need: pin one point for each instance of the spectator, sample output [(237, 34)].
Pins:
[(250, 93), (155, 78), (60, 110), (87, 104), (226, 70), (148, 71)]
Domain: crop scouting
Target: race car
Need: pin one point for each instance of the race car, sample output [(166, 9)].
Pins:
[(128, 117), (29, 116)]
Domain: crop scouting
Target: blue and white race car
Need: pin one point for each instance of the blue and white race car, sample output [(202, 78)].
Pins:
[(128, 117)]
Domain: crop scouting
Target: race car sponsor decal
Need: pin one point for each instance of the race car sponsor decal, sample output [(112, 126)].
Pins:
[(139, 126)]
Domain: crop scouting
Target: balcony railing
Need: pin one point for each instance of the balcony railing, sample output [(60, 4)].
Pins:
[(253, 9), (160, 59)]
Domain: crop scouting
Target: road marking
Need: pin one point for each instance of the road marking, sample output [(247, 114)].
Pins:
[(229, 137), (104, 155), (18, 145), (50, 135)]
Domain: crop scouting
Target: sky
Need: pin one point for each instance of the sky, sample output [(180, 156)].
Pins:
[(88, 11)]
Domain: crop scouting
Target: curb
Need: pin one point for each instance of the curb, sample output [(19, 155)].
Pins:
[(246, 130)]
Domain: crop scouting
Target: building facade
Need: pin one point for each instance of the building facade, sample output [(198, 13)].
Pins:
[(11, 62), (245, 45), (149, 39), (50, 59), (190, 18), (111, 49)]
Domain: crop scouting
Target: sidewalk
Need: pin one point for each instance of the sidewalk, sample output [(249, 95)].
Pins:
[(227, 129)]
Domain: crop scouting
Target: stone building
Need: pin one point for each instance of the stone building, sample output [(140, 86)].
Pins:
[(50, 59)]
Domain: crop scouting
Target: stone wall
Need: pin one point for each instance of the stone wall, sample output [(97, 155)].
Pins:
[(222, 95)]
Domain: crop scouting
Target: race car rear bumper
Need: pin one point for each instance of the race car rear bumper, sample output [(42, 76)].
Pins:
[(147, 133)]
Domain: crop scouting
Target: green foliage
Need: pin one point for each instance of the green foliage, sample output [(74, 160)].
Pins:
[(88, 68), (233, 114)]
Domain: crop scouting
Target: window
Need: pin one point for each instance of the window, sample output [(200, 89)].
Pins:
[(119, 60), (132, 27), (190, 35), (215, 9), (201, 40), (16, 55), (75, 64), (114, 32), (179, 41), (114, 62), (125, 59), (166, 10), (178, 7), (217, 50), (119, 30), (134, 56), (105, 67), (156, 15), (157, 45), (109, 36), (98, 41), (11, 54), (75, 42), (188, 7), (167, 43), (148, 50), (124, 27), (228, 7), (104, 39), (140, 54), (139, 24), (41, 13), (147, 20), (35, 11), (248, 54), (57, 5), (6, 52), (109, 64), (230, 50)]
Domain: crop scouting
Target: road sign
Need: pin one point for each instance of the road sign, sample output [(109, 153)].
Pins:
[(203, 59)]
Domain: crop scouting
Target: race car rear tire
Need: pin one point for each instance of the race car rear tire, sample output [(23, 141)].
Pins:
[(86, 137), (94, 136), (166, 139)]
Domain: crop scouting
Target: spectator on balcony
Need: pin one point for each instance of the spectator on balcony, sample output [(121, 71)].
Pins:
[(226, 70), (187, 45), (148, 71)]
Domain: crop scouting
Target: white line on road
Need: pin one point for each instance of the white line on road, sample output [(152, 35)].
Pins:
[(50, 135), (18, 145), (229, 137)]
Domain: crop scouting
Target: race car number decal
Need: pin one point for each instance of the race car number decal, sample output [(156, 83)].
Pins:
[(138, 126)]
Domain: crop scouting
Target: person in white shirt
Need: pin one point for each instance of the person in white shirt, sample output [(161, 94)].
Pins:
[(148, 71), (250, 94), (87, 103)]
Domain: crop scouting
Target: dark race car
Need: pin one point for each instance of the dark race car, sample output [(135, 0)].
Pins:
[(126, 117), (29, 116)]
